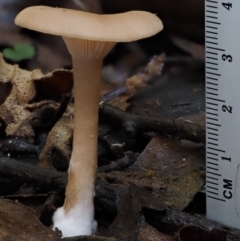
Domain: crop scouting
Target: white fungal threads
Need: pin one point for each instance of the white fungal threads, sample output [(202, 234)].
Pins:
[(80, 220)]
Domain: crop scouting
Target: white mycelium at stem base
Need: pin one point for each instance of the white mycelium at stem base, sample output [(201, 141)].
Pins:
[(76, 217)]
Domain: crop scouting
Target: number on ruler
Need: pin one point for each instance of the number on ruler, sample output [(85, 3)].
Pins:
[(226, 158), (227, 108), (227, 57), (227, 5)]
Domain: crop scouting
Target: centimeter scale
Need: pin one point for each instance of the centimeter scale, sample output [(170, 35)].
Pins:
[(222, 20)]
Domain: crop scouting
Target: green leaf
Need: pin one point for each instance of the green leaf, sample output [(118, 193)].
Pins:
[(19, 52)]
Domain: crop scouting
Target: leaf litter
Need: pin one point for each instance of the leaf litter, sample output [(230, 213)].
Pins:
[(141, 177)]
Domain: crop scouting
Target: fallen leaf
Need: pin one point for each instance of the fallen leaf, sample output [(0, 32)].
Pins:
[(18, 222)]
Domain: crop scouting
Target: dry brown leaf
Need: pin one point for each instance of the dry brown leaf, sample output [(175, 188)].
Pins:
[(18, 222), (58, 141), (12, 111), (28, 87)]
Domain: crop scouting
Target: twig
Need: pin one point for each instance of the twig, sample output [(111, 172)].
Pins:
[(172, 221), (45, 180), (120, 164), (133, 123), (42, 179), (113, 94), (19, 146)]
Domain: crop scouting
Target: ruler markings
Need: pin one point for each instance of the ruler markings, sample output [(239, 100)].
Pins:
[(210, 153), (211, 42), (210, 93), (211, 37), (212, 12), (211, 143), (214, 53), (212, 78), (214, 129), (213, 124), (212, 68), (215, 193), (215, 99), (211, 17), (214, 183), (214, 188), (208, 47), (210, 108), (213, 134), (210, 103), (211, 32), (210, 6), (218, 199), (211, 58), (210, 83), (210, 88), (210, 118), (213, 178), (211, 148), (215, 169), (215, 174), (213, 22), (222, 111), (211, 27), (212, 63), (212, 158), (209, 113), (213, 73), (214, 139), (211, 163), (211, 1)]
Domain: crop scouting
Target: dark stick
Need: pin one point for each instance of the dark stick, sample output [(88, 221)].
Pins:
[(171, 221), (120, 164), (45, 180), (133, 123)]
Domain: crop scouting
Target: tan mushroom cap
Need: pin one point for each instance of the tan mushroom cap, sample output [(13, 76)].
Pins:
[(122, 27)]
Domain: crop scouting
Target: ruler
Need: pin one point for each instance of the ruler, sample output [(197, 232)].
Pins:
[(222, 28)]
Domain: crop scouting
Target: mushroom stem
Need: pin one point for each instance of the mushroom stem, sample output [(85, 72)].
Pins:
[(77, 214), (82, 169)]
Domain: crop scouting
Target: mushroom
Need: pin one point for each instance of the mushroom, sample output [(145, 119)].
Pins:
[(89, 38)]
